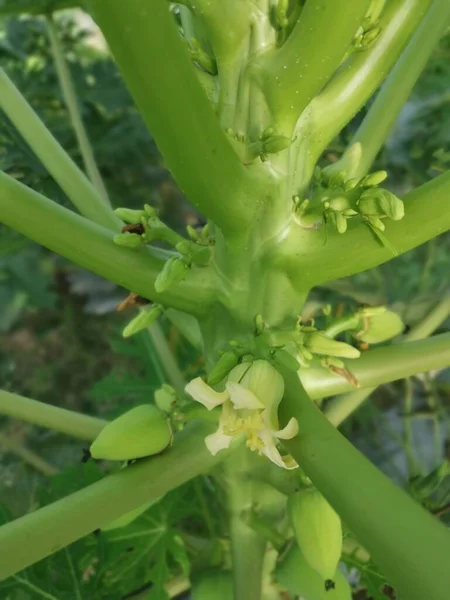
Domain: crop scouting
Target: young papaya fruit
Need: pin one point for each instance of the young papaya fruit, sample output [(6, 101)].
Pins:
[(318, 532), (295, 575), (140, 432)]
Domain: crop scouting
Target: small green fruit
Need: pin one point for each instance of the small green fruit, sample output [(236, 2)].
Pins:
[(318, 531), (380, 327), (222, 368), (140, 432)]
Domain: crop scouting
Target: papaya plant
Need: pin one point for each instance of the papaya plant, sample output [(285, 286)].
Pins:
[(243, 97)]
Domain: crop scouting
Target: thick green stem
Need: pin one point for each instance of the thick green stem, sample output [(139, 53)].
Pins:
[(70, 97), (36, 535), (168, 360), (293, 75), (159, 73), (409, 545), (58, 163), (343, 406), (381, 366), (91, 247), (309, 262), (383, 113), (247, 547), (65, 421), (358, 79)]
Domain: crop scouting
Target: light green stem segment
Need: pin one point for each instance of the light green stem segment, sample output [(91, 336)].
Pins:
[(408, 544), (70, 97), (65, 421), (91, 247), (58, 163), (247, 547), (48, 529), (381, 366), (159, 73), (398, 86), (343, 406), (338, 257), (168, 360)]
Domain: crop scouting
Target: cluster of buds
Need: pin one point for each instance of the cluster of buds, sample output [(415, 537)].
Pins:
[(336, 199), (369, 29), (269, 143), (144, 226)]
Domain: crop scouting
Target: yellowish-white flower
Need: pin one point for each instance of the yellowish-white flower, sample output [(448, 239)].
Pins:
[(249, 403)]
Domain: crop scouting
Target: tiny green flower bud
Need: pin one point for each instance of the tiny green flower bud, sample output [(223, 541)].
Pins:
[(146, 317), (128, 240), (370, 36), (174, 270), (192, 233), (165, 397), (267, 133), (276, 143), (376, 223), (339, 203), (150, 211), (373, 179), (201, 255), (380, 327), (222, 368), (338, 221), (128, 215), (319, 344), (202, 58), (185, 247), (350, 184)]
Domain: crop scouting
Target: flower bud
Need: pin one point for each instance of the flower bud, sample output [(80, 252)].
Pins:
[(266, 383), (380, 327), (174, 270), (128, 215), (286, 359), (165, 397), (373, 179), (146, 317), (276, 143), (128, 240), (200, 255), (319, 344), (222, 368)]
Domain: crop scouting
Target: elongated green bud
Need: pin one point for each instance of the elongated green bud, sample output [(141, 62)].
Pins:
[(222, 368), (280, 13), (142, 431), (146, 317), (350, 184), (276, 143), (213, 585), (128, 240), (202, 58), (129, 517), (165, 397), (373, 179), (320, 344), (173, 271), (381, 203), (338, 221), (295, 575), (318, 532), (150, 211), (192, 233), (129, 215), (380, 327), (338, 203)]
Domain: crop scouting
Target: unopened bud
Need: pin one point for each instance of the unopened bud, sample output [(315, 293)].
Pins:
[(128, 240), (146, 317), (380, 327), (129, 215), (165, 397), (276, 143), (319, 344), (222, 368), (373, 179), (174, 270)]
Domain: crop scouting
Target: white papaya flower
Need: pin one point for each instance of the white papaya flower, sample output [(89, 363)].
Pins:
[(249, 403)]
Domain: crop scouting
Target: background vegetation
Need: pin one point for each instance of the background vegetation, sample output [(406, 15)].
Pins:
[(60, 336)]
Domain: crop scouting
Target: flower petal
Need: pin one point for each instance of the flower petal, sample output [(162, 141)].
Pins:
[(241, 397), (203, 393), (288, 432), (217, 441), (271, 451)]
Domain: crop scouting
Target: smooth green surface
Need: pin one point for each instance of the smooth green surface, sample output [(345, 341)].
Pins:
[(83, 427), (58, 163), (159, 75), (395, 91), (90, 246), (381, 365), (34, 536), (293, 75), (409, 544), (35, 7)]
